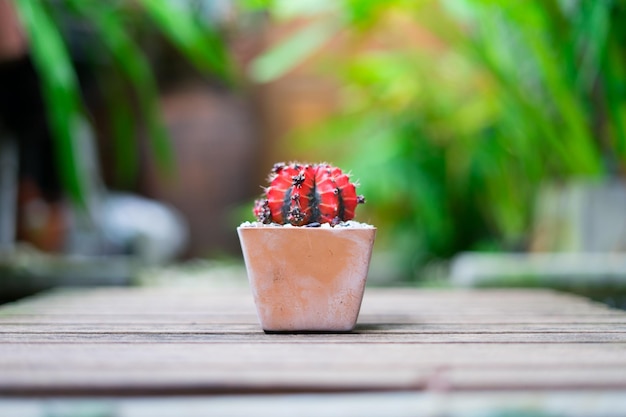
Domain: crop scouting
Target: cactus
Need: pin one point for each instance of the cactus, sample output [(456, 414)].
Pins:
[(307, 194)]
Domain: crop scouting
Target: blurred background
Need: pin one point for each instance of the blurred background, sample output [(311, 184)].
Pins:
[(488, 136)]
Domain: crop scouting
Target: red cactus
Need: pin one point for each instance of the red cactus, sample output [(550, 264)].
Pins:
[(304, 194)]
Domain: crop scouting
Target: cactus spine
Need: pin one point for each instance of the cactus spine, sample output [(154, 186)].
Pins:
[(307, 194)]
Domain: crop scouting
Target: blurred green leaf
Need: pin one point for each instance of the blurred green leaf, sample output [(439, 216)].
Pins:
[(123, 132), (288, 9), (60, 92), (198, 41), (614, 78), (282, 58), (467, 128), (135, 66), (111, 23)]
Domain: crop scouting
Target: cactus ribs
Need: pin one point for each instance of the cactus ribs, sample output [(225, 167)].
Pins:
[(307, 195)]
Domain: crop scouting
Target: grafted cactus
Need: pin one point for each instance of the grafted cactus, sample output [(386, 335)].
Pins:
[(306, 194)]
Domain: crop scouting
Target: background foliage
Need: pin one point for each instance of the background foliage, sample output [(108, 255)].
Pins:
[(109, 37), (454, 113)]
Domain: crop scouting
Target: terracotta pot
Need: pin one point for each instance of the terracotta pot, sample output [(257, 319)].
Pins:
[(307, 279)]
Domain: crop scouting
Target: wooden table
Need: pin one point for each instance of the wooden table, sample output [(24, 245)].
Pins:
[(437, 350)]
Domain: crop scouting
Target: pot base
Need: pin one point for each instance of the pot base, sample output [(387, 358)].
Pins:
[(307, 279)]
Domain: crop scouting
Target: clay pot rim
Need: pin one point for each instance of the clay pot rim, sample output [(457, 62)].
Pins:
[(312, 229)]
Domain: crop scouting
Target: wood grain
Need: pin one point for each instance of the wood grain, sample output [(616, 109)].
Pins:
[(149, 341)]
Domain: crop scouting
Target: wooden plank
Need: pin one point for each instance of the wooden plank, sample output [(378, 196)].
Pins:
[(140, 341), (387, 301), (261, 368), (354, 337), (60, 355), (137, 306), (364, 319), (371, 327)]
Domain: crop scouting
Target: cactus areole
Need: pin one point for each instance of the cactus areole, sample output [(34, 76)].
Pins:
[(307, 195)]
